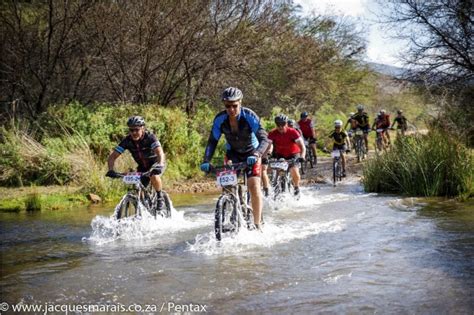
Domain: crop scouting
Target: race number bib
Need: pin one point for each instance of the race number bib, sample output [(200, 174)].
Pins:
[(227, 178), (132, 178), (379, 130), (359, 132), (279, 165), (336, 153)]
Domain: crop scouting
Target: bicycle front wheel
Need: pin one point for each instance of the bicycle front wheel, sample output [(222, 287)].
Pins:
[(226, 216), (126, 208)]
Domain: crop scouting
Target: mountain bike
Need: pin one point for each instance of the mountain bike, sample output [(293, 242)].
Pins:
[(232, 208), (359, 144), (139, 197), (310, 158), (379, 141), (336, 166), (280, 176)]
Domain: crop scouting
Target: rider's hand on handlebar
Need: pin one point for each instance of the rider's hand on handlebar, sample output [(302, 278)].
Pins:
[(251, 160), (205, 167), (156, 169), (301, 159), (112, 174)]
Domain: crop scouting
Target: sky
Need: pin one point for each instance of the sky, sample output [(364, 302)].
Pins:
[(380, 48)]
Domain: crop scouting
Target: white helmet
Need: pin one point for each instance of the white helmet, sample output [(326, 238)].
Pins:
[(360, 107), (382, 111), (338, 123)]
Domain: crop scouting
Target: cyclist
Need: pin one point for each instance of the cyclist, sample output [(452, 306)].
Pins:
[(146, 150), (288, 144), (265, 162), (307, 129), (292, 124), (246, 140), (353, 123), (385, 125), (340, 141), (402, 123), (379, 123), (362, 121)]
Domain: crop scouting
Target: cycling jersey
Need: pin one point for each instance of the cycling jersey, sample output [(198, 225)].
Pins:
[(142, 150), (284, 143), (385, 121), (362, 119), (306, 126), (249, 139), (401, 122), (338, 137), (339, 140)]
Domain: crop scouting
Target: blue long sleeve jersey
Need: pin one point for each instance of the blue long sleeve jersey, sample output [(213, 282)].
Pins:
[(250, 138)]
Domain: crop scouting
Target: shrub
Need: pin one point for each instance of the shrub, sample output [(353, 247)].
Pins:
[(436, 164)]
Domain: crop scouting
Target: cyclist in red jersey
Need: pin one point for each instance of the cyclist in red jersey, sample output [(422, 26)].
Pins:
[(288, 144), (307, 129)]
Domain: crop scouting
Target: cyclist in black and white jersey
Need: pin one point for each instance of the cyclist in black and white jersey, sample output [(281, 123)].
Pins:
[(146, 150)]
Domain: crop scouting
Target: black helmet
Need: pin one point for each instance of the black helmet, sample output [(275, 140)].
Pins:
[(399, 111), (280, 119), (232, 94), (136, 121), (304, 115)]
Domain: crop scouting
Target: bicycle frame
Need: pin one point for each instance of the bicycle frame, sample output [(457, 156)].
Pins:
[(281, 177)]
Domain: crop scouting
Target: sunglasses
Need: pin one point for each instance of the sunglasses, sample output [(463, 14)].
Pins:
[(231, 106), (134, 129), (281, 124)]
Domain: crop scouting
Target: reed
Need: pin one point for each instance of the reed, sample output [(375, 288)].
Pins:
[(436, 164)]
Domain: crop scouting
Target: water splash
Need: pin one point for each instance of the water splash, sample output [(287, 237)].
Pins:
[(272, 234), (108, 229)]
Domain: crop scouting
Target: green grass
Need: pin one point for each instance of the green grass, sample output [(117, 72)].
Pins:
[(36, 202), (429, 165)]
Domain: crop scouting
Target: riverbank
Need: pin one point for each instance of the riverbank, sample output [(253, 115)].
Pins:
[(66, 197)]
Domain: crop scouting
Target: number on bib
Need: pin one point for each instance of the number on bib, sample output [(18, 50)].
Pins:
[(132, 178), (227, 178)]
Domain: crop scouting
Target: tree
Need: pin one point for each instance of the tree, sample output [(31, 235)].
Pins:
[(441, 37)]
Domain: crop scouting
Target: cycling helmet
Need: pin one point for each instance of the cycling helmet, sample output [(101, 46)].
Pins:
[(351, 114), (304, 115), (360, 107), (136, 121), (399, 111), (281, 119), (382, 111), (291, 123), (232, 94), (338, 123)]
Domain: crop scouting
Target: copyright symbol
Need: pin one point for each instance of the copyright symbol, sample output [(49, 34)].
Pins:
[(4, 307)]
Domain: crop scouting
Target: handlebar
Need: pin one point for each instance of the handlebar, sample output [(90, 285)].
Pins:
[(233, 166)]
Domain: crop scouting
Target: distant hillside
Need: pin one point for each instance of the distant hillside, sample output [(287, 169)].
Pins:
[(384, 69)]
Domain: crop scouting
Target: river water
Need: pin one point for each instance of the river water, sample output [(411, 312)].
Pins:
[(336, 250)]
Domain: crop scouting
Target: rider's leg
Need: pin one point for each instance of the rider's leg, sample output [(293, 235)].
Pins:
[(256, 198), (295, 176), (156, 182), (343, 160), (158, 185), (387, 134), (313, 148), (366, 140), (265, 179)]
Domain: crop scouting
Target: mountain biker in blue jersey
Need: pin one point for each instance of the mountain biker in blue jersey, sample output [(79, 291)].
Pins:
[(146, 150), (246, 140)]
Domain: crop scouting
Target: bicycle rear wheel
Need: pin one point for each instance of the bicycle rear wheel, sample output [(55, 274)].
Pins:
[(226, 216), (127, 208)]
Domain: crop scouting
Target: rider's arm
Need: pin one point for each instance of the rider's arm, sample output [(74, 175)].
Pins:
[(111, 160), (301, 145), (214, 137), (160, 155), (260, 133)]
